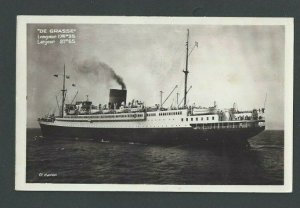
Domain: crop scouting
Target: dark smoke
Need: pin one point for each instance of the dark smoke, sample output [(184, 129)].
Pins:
[(100, 69)]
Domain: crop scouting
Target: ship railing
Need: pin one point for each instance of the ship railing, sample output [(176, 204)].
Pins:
[(50, 119), (106, 117), (227, 125)]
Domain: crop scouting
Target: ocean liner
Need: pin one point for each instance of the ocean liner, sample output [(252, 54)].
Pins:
[(120, 120)]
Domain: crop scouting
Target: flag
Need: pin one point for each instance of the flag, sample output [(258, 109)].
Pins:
[(196, 44), (56, 75), (67, 76)]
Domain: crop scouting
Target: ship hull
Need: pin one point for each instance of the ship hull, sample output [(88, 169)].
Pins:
[(154, 135)]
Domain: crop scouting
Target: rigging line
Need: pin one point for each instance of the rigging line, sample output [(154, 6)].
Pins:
[(58, 94), (160, 66), (57, 102), (172, 104), (169, 95), (54, 110), (181, 64), (176, 56), (183, 97), (51, 110), (181, 80), (195, 45), (67, 98), (52, 107), (57, 106), (74, 97), (265, 100), (192, 50)]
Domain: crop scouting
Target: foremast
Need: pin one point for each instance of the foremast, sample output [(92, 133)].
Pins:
[(63, 92)]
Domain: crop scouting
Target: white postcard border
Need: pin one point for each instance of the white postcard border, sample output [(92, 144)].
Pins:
[(21, 112)]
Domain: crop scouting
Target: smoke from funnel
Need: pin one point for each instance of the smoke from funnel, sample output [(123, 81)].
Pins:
[(99, 68)]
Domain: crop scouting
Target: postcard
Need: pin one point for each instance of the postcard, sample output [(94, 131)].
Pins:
[(167, 104)]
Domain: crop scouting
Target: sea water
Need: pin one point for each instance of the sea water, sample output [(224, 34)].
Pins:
[(98, 161)]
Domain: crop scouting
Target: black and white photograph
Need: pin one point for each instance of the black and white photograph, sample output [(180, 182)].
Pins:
[(154, 104)]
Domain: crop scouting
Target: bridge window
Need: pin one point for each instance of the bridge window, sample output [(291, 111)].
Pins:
[(181, 119), (187, 119), (213, 118), (207, 118), (191, 119), (197, 119)]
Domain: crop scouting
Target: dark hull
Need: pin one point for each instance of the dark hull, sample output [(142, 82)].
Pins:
[(155, 135)]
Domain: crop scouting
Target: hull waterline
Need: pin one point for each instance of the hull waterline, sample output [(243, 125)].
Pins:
[(154, 135)]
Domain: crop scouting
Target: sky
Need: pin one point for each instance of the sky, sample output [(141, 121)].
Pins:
[(232, 64)]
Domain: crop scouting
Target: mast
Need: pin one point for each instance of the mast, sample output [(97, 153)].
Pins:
[(63, 92), (186, 68), (161, 94)]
